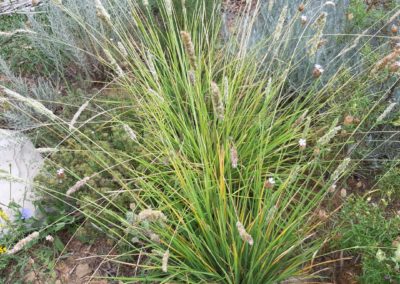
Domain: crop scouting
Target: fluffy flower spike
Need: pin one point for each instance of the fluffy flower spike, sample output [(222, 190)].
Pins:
[(243, 234)]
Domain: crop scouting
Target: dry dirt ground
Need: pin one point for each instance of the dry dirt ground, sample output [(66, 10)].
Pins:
[(80, 263)]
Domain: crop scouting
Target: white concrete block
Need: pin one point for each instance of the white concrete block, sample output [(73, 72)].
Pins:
[(18, 158)]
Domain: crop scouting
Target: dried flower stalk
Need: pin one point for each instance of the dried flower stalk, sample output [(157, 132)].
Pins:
[(40, 108), (243, 234), (77, 114), (15, 32), (218, 104), (168, 7), (114, 63), (234, 157), (277, 34), (155, 238), (318, 25), (102, 13), (189, 48), (341, 169), (271, 4), (390, 58), (122, 49), (328, 136), (363, 34), (78, 186), (150, 64), (23, 243), (132, 135), (192, 77), (46, 150), (226, 89), (165, 259), (151, 215), (386, 112)]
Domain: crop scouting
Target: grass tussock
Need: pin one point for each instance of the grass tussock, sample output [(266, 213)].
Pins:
[(228, 163)]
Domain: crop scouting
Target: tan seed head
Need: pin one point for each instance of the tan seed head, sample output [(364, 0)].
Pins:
[(394, 29), (348, 120), (350, 16), (394, 67), (317, 71)]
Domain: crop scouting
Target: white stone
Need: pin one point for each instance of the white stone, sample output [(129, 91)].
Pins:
[(19, 159)]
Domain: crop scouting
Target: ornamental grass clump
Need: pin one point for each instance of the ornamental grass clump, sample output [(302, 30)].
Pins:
[(208, 149), (225, 155)]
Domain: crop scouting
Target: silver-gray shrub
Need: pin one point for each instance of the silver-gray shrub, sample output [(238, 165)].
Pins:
[(67, 35), (279, 23), (62, 40), (18, 115), (66, 38)]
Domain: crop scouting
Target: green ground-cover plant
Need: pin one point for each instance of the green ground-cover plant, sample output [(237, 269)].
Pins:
[(205, 165), (369, 232), (364, 14), (389, 184), (15, 267), (40, 253), (17, 50)]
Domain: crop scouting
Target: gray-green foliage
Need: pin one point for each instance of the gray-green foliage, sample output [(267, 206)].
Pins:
[(63, 40), (65, 35), (16, 114), (322, 38)]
